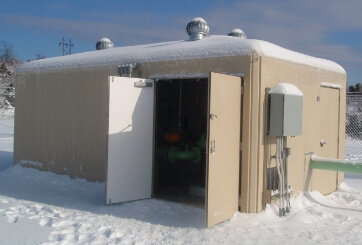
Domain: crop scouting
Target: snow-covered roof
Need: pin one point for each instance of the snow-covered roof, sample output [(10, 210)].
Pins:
[(211, 46)]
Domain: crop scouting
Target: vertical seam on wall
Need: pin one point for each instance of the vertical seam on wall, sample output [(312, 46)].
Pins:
[(106, 163), (253, 145), (257, 135), (339, 121), (249, 133), (258, 146), (260, 134), (339, 132)]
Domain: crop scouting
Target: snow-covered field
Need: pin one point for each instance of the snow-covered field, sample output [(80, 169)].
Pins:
[(44, 208)]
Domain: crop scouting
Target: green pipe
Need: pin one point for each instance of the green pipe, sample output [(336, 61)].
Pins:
[(175, 155), (337, 165)]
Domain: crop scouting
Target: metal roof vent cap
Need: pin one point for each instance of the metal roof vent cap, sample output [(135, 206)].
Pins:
[(237, 33), (197, 29), (104, 43)]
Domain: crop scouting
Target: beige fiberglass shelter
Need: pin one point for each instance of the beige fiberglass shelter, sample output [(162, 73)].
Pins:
[(189, 124)]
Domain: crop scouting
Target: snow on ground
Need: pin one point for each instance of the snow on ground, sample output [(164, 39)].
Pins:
[(6, 138), (45, 208)]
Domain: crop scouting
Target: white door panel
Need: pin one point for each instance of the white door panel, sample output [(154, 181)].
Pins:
[(130, 140)]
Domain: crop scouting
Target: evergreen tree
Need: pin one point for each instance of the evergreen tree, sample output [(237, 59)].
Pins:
[(355, 88)]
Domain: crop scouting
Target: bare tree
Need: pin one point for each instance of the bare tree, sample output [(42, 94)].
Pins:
[(7, 53), (40, 56)]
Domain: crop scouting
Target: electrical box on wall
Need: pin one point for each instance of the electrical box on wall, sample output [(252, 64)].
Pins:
[(285, 110)]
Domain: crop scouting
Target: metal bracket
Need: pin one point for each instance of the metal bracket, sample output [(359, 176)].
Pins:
[(141, 84), (126, 69)]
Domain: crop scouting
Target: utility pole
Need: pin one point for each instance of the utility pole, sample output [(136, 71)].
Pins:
[(70, 46), (66, 45)]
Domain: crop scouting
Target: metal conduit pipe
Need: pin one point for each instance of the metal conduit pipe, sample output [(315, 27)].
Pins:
[(286, 158), (281, 177), (304, 176), (281, 143)]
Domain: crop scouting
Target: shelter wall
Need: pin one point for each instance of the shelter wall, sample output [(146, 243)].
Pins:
[(61, 121), (323, 118), (251, 169), (61, 117)]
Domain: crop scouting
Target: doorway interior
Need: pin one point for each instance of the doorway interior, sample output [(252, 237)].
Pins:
[(180, 140)]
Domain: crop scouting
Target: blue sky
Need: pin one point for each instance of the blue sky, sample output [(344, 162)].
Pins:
[(328, 29)]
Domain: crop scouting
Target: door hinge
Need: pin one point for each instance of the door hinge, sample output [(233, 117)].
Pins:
[(213, 116), (213, 147)]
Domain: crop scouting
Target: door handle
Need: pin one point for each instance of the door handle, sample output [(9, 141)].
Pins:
[(213, 147)]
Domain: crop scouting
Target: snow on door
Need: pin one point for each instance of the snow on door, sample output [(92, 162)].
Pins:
[(223, 148), (130, 139)]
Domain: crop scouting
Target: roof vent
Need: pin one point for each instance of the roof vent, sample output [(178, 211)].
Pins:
[(197, 29), (104, 43), (237, 33)]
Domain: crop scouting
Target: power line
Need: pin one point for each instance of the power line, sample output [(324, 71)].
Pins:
[(67, 46), (84, 49)]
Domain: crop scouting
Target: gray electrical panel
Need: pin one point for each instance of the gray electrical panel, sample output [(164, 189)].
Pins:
[(286, 111)]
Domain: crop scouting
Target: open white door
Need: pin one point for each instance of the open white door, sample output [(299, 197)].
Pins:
[(223, 148), (130, 139)]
